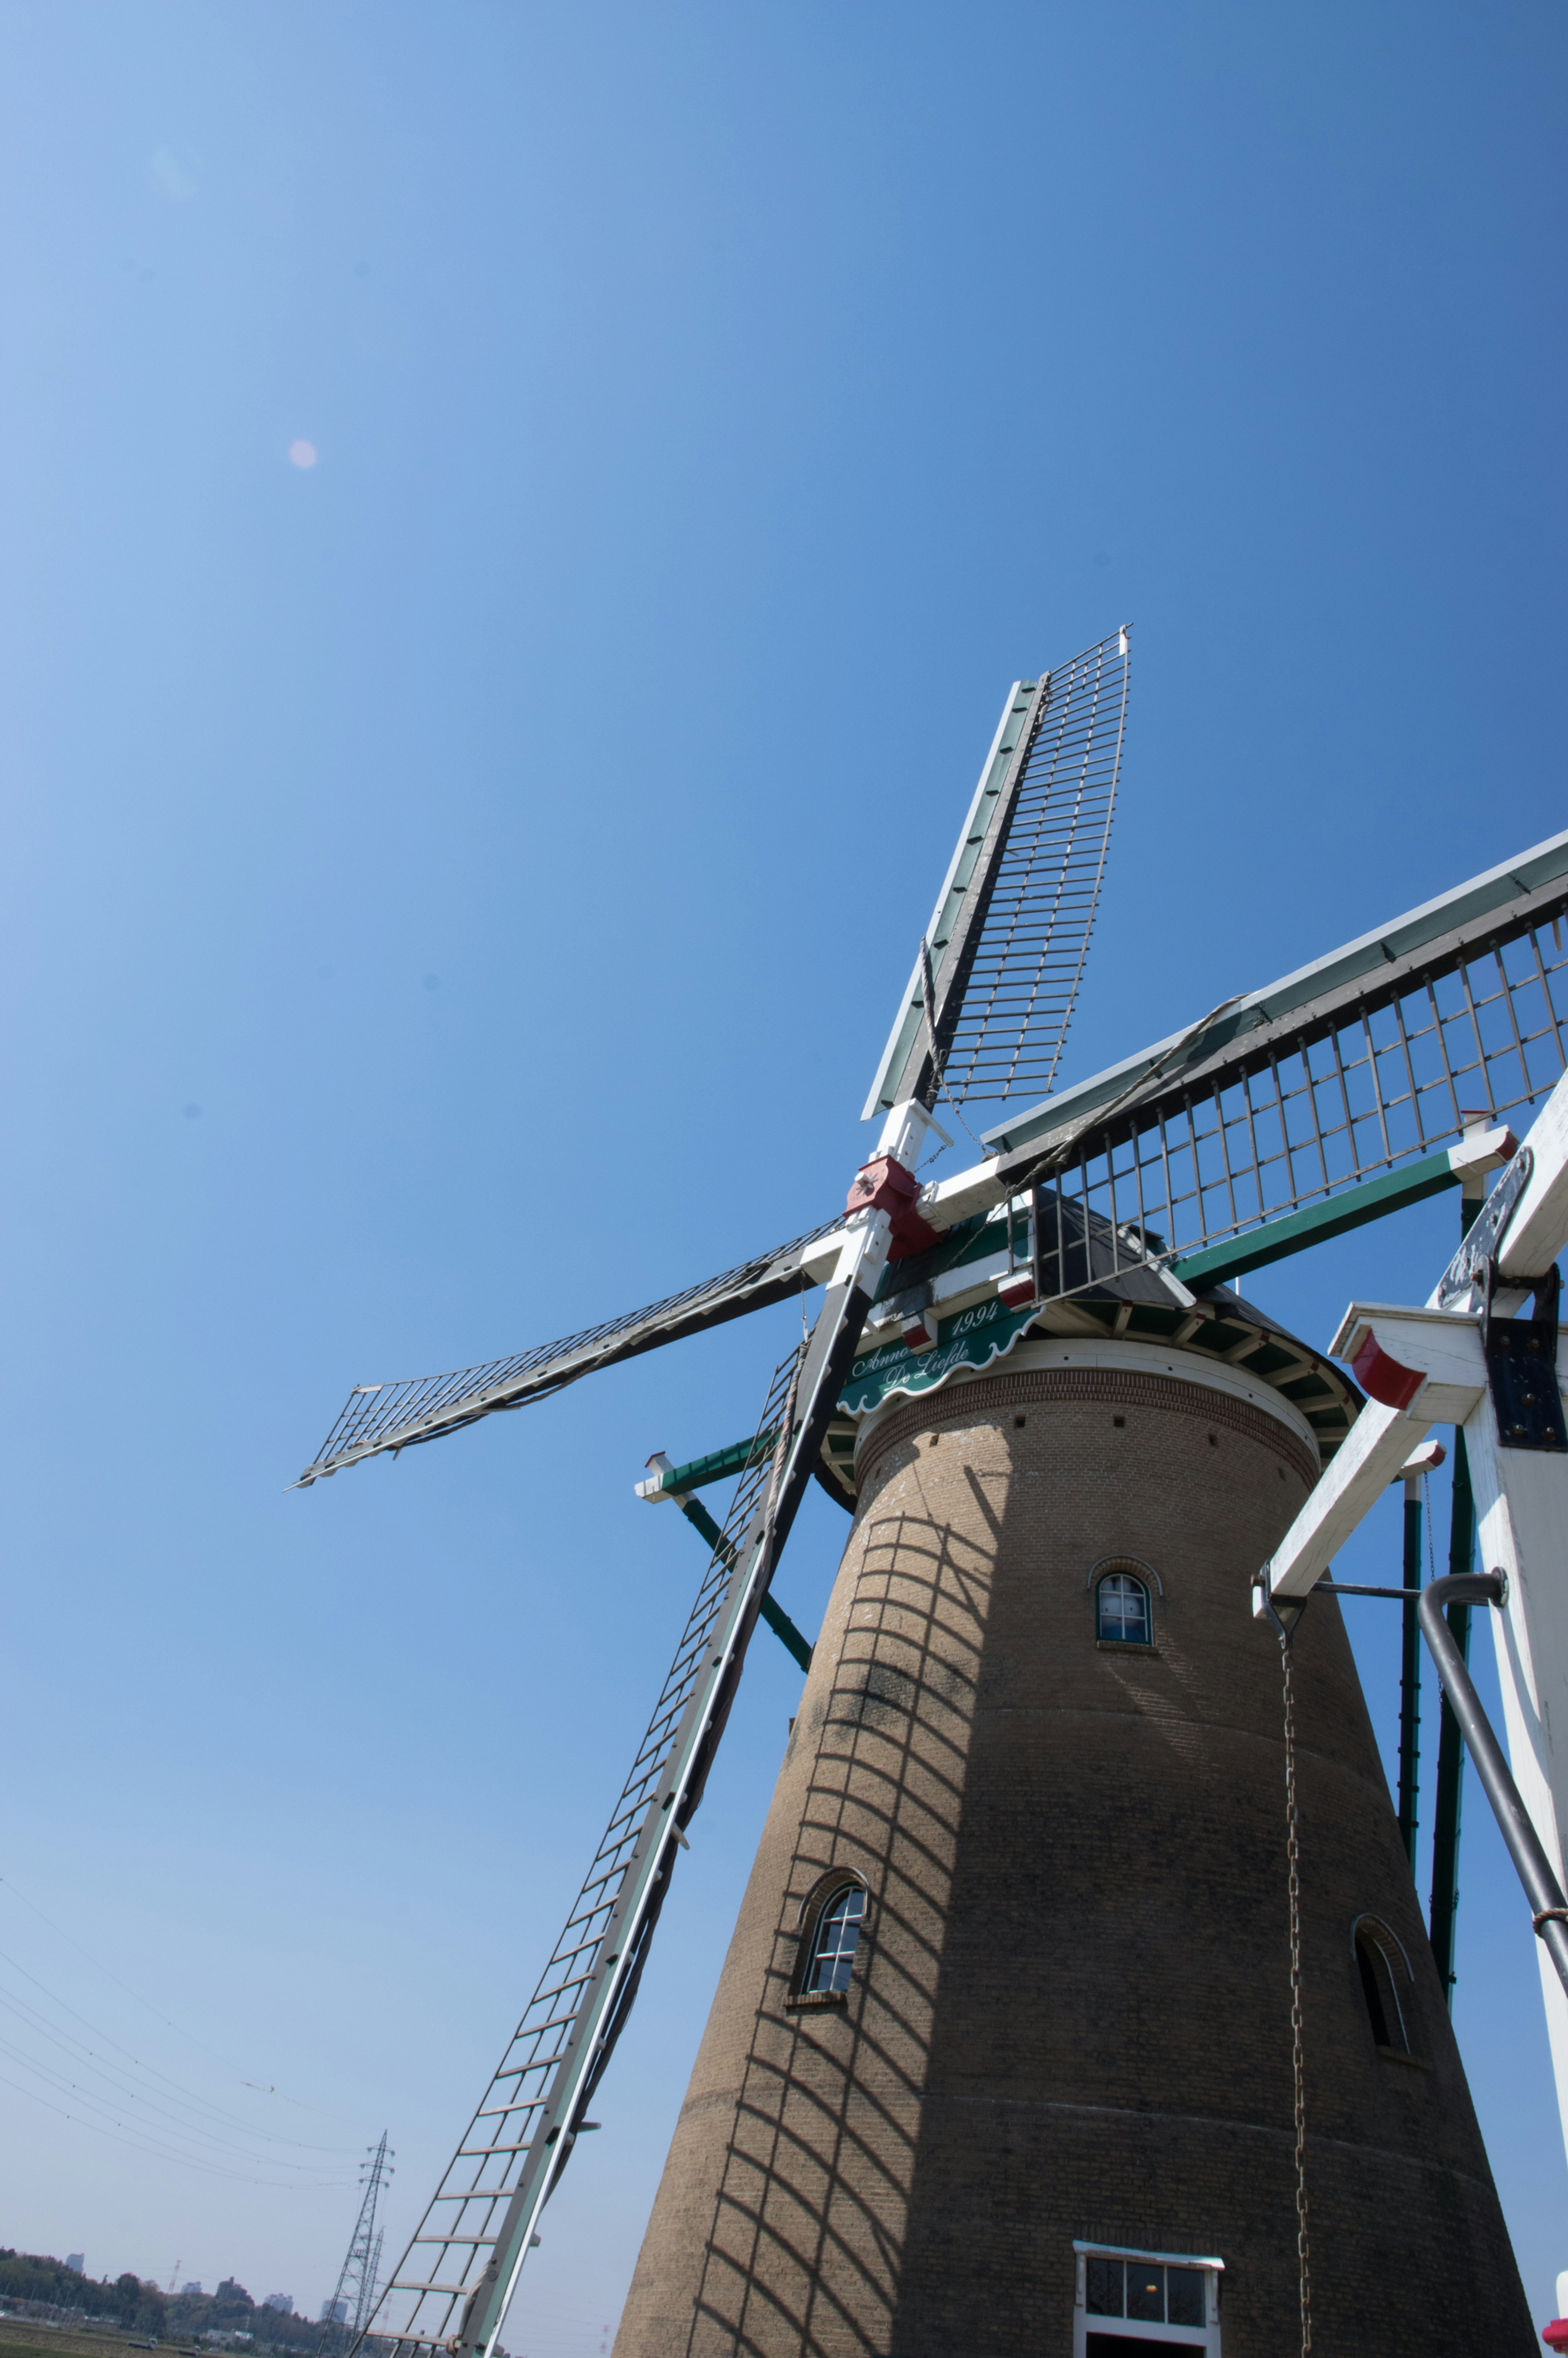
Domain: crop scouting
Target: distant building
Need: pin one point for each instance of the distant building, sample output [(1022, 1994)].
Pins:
[(283, 2301), (334, 2312), (191, 2287), (75, 2260)]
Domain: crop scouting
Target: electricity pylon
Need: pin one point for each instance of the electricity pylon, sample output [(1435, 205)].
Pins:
[(354, 2299)]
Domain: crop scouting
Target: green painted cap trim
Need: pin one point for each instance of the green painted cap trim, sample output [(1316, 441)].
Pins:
[(977, 1338)]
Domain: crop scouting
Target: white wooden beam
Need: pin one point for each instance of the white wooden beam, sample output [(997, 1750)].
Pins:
[(1423, 1367), (1429, 1364), (1522, 1527), (1426, 1366), (1539, 1228)]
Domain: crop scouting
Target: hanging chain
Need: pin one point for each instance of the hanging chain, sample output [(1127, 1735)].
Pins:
[(1297, 2067)]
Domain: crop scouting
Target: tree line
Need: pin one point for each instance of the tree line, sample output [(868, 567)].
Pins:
[(139, 2306)]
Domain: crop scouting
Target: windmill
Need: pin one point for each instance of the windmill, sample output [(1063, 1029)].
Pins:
[(1087, 1259)]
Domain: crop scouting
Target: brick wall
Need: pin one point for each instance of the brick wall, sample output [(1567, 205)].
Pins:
[(1069, 2015)]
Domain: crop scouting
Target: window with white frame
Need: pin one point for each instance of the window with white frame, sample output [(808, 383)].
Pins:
[(1121, 1610), (837, 1937), (1133, 2304)]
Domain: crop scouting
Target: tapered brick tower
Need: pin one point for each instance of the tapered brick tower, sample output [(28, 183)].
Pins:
[(1000, 2060)]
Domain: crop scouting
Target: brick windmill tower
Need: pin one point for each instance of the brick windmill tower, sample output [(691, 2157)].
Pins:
[(1004, 2054), (1000, 2057)]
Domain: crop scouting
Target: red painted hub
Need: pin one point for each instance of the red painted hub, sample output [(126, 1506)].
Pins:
[(884, 1185)]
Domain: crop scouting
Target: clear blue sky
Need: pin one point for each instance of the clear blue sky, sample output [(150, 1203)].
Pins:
[(457, 891)]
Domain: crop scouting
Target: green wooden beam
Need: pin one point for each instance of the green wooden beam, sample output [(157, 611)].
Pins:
[(1276, 1239), (1409, 1678), (778, 1620), (1443, 1918), (717, 1466)]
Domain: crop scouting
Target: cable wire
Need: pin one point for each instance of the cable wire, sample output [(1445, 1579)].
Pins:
[(186, 2095), (40, 2026), (213, 2168)]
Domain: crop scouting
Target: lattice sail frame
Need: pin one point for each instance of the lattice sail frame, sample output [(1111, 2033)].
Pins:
[(423, 2303), (1267, 1105), (1299, 1108), (1025, 968), (992, 994), (389, 1417)]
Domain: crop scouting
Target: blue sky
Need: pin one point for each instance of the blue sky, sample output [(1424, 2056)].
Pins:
[(457, 890)]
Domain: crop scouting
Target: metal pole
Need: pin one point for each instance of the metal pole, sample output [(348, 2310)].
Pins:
[(1547, 1907), (1410, 1672), (1441, 1918), (1450, 1743)]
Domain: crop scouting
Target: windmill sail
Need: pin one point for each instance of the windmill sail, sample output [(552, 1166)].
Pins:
[(1344, 1070), (991, 995), (455, 2282), (1353, 1066), (502, 2158), (379, 1418)]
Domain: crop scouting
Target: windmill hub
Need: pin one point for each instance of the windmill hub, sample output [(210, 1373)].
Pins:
[(885, 1185)]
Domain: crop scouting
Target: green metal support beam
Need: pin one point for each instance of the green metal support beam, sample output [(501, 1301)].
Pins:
[(778, 1620), (1409, 1677), (1443, 1918), (1297, 1232), (717, 1466)]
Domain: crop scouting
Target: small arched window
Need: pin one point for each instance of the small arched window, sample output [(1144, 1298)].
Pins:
[(1121, 1610), (834, 1941), (1375, 1953)]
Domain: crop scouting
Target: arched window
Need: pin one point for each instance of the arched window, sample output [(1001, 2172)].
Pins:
[(1121, 1610), (1376, 1949), (834, 1941)]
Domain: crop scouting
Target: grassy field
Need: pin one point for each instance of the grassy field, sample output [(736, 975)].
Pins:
[(21, 2338)]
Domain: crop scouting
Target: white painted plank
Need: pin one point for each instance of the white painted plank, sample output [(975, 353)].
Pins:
[(1521, 1530), (1363, 1465), (1539, 1228), (1446, 1349)]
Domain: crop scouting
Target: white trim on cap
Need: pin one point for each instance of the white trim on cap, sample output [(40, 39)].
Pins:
[(1091, 1351)]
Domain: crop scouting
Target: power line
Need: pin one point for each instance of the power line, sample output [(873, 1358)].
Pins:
[(187, 2096), (177, 2127), (213, 2168), (97, 1966)]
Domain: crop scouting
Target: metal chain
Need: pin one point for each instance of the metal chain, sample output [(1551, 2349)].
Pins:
[(1297, 2067)]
